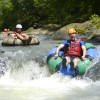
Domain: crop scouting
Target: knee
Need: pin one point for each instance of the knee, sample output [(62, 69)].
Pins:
[(68, 59), (76, 60)]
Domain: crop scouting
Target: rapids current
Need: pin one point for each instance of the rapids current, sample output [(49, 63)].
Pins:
[(24, 75)]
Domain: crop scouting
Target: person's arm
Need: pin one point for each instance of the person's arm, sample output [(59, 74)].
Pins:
[(25, 36), (57, 50), (20, 37), (13, 35), (84, 52)]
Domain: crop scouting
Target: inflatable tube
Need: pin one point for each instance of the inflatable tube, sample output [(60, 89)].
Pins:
[(18, 42), (56, 64)]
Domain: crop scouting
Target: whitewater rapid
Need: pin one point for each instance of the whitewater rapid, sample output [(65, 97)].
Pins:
[(27, 77)]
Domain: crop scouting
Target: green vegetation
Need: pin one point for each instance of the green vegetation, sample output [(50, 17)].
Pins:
[(56, 37), (98, 26), (94, 18), (32, 13), (81, 30)]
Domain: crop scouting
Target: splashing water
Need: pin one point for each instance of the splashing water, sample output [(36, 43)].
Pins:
[(27, 76), (94, 70)]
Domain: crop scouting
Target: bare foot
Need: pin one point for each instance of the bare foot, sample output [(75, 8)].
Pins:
[(30, 38), (24, 41)]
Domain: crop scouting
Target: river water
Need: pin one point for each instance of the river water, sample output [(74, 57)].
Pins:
[(24, 75)]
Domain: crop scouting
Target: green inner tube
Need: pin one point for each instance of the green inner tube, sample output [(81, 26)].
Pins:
[(83, 65), (89, 45), (54, 64)]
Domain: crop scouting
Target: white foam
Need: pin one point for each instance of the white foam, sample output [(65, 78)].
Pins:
[(30, 81)]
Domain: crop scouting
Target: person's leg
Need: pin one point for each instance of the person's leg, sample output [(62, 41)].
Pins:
[(76, 60), (30, 38), (65, 62)]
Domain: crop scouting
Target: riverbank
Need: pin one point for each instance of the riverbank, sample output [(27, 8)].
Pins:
[(87, 30)]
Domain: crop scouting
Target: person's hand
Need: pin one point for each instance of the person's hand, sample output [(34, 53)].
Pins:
[(56, 55), (83, 58), (15, 37)]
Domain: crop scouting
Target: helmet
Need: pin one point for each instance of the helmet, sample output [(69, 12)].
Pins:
[(5, 30), (18, 26), (72, 30)]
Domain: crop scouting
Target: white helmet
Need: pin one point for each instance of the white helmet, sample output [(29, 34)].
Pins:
[(18, 26)]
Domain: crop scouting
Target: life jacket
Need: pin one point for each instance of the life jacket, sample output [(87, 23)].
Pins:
[(19, 34), (74, 48)]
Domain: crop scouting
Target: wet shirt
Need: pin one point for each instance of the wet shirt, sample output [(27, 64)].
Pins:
[(67, 43)]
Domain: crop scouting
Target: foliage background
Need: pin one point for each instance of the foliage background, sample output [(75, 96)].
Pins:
[(32, 13)]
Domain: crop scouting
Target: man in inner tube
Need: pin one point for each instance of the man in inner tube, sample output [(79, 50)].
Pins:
[(18, 34), (75, 50)]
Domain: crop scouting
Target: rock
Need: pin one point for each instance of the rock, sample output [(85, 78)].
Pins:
[(94, 33), (87, 30), (51, 27), (29, 30), (97, 32), (76, 25), (40, 31), (60, 35)]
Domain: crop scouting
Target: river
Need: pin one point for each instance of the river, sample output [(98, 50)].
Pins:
[(24, 75)]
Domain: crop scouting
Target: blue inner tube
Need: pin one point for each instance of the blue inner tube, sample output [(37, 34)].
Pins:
[(91, 54)]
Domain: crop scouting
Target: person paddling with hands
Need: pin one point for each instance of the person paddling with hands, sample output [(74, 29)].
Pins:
[(75, 50), (18, 34)]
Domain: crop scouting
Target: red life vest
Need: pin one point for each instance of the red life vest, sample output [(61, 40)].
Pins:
[(74, 48), (19, 34)]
